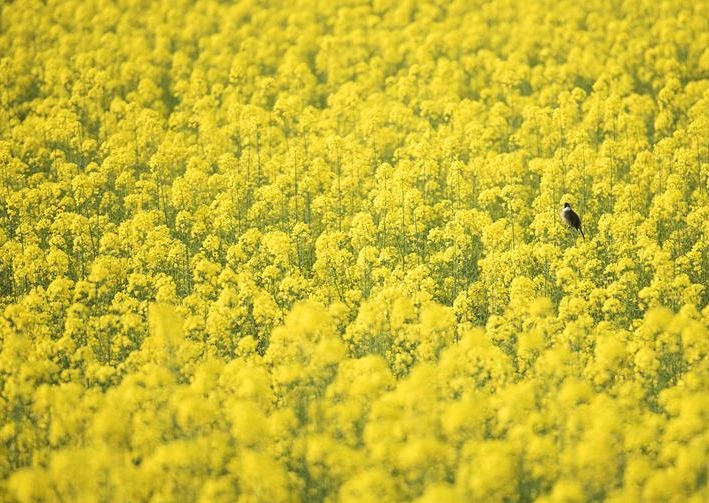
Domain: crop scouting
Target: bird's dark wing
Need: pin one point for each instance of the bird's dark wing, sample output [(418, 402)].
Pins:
[(575, 220)]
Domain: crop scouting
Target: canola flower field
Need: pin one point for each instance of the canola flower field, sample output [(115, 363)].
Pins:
[(310, 251)]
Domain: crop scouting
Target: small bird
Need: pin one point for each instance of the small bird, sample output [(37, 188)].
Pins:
[(571, 218)]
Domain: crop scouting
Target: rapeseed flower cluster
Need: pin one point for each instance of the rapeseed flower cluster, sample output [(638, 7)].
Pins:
[(311, 251)]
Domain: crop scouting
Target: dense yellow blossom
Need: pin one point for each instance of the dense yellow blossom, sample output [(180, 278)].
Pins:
[(311, 251)]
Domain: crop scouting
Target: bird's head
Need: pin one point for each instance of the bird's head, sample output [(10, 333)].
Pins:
[(567, 205)]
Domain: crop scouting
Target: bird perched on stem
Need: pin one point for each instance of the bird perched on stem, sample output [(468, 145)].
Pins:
[(571, 218)]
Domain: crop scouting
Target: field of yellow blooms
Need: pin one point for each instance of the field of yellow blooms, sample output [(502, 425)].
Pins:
[(311, 251)]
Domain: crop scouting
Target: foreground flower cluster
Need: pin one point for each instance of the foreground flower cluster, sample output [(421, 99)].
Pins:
[(311, 251)]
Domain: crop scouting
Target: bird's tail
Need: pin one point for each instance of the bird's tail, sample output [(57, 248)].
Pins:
[(581, 231)]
